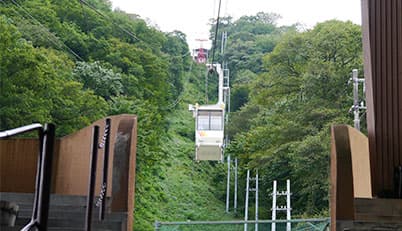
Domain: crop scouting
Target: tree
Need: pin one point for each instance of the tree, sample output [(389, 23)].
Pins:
[(104, 82), (301, 91), (37, 86)]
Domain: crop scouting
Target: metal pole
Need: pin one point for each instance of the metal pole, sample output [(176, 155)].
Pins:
[(105, 170), (356, 99), (219, 71), (228, 99), (223, 42), (235, 188), (273, 225), (246, 205), (38, 178), (256, 201), (206, 87), (92, 178), (228, 186), (46, 175), (288, 208)]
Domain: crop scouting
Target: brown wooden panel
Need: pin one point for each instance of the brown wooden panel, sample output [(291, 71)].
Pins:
[(341, 202), (399, 70), (378, 209), (18, 161), (382, 39)]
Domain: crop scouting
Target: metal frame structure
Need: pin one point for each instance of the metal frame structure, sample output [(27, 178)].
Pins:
[(40, 211), (357, 105), (228, 185), (229, 163), (286, 208), (159, 224), (248, 189)]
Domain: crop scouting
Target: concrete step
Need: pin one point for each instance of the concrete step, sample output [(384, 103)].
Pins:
[(55, 199), (18, 228), (66, 212), (116, 216), (74, 224)]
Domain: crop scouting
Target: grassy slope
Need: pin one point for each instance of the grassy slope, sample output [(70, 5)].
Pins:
[(178, 188)]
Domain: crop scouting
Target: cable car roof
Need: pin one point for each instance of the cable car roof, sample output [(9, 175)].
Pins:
[(211, 107)]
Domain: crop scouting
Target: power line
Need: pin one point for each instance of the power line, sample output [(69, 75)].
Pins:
[(216, 32), (106, 17), (122, 28), (46, 30), (181, 95)]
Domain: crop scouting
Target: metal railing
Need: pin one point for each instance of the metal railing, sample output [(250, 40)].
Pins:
[(40, 211), (101, 202), (319, 224)]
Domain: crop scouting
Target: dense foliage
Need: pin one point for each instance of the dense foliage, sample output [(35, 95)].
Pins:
[(285, 103), (64, 62)]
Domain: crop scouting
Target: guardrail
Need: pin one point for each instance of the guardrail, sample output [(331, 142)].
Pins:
[(319, 224), (40, 211)]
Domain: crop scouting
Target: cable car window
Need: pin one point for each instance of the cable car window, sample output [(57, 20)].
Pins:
[(203, 120), (216, 120), (209, 120)]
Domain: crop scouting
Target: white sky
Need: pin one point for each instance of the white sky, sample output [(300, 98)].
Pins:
[(192, 16)]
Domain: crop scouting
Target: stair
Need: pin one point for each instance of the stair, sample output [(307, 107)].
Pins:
[(380, 226), (65, 213)]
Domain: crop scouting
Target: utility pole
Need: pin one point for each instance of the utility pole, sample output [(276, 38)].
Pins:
[(356, 104), (276, 208), (248, 189), (235, 188), (223, 42), (273, 225), (246, 201), (228, 186), (256, 201)]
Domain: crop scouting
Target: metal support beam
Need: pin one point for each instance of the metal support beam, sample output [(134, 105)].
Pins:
[(235, 188), (228, 185), (273, 225), (356, 99), (288, 208), (356, 104), (256, 201), (246, 201)]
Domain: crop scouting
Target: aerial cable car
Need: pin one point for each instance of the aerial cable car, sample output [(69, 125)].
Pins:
[(209, 124)]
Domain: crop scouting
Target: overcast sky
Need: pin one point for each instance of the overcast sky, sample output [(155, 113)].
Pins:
[(192, 16)]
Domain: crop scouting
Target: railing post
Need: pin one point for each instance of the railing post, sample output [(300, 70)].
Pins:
[(46, 175), (92, 178), (105, 170), (35, 211)]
